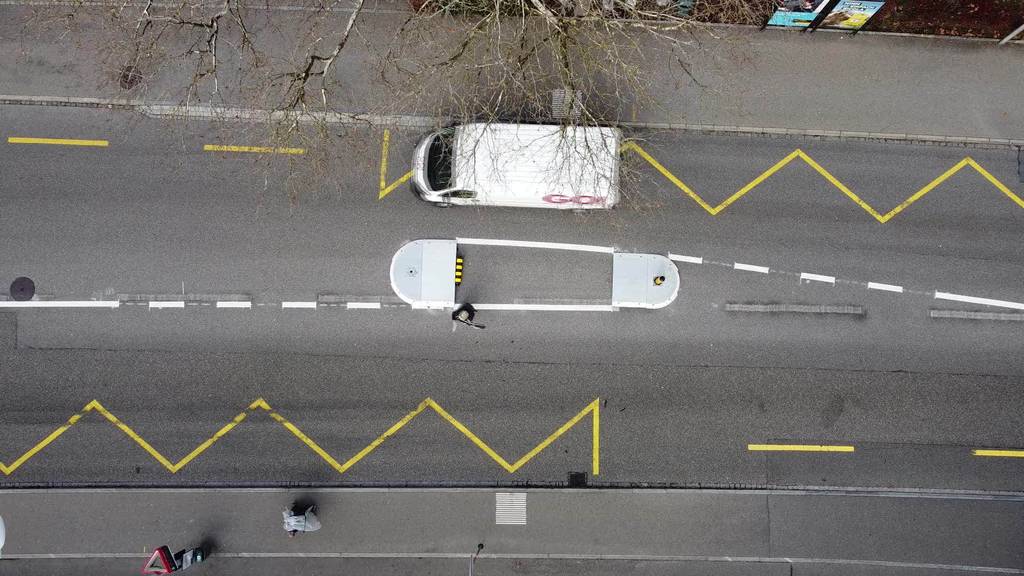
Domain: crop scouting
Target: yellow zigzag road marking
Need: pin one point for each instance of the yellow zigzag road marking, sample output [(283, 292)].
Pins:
[(385, 188), (593, 409), (883, 218)]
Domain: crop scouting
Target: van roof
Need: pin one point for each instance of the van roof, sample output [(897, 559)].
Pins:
[(521, 163)]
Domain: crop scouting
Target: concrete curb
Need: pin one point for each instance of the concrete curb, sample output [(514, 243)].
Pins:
[(535, 487), (159, 109)]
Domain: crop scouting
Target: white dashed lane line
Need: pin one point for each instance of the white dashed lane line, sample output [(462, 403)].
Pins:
[(885, 287), (806, 276), (379, 305), (751, 268), (234, 304), (817, 278)]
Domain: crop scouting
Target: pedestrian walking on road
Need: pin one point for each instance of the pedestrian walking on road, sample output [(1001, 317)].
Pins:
[(465, 314), (305, 522)]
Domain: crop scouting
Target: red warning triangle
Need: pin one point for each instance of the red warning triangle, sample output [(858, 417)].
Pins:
[(160, 562)]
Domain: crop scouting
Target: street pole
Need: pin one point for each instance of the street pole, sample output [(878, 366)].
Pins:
[(472, 559), (1012, 35)]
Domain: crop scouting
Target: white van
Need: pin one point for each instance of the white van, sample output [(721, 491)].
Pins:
[(520, 165)]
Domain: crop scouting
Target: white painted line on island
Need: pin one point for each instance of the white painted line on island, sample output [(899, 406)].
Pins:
[(885, 287), (688, 259), (60, 304), (234, 304), (549, 307), (302, 305), (166, 304), (750, 268), (817, 278), (531, 244), (363, 305), (976, 300)]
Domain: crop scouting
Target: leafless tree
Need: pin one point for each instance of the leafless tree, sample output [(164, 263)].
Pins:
[(305, 64)]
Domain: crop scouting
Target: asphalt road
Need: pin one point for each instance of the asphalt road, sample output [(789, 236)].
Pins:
[(683, 390), (671, 425)]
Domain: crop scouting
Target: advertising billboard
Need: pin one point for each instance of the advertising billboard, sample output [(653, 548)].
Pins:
[(851, 14), (796, 13)]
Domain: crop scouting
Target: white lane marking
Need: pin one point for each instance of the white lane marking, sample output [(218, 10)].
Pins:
[(818, 278), (510, 508), (234, 304), (60, 304), (976, 300), (886, 287), (690, 259), (531, 244), (307, 305), (363, 305), (750, 268), (167, 304), (549, 307)]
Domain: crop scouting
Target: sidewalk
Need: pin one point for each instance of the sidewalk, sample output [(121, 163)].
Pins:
[(81, 528), (742, 77)]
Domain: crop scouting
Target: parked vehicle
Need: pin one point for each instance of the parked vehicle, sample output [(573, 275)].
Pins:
[(519, 165)]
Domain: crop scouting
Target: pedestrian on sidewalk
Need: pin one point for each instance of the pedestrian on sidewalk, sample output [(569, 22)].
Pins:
[(305, 522)]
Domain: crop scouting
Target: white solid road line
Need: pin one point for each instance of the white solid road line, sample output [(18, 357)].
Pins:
[(60, 304), (750, 268), (530, 244), (976, 300), (549, 307), (306, 305), (690, 259), (818, 278), (886, 287), (363, 305), (167, 304), (234, 304)]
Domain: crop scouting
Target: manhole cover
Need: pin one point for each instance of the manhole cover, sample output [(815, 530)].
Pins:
[(130, 77), (23, 289)]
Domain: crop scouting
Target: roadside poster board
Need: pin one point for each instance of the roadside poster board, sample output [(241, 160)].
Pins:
[(796, 13), (851, 14)]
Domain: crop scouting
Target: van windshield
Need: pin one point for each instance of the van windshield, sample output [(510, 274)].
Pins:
[(439, 161)]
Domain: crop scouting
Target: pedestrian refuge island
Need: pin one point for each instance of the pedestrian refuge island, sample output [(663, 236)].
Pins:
[(425, 274)]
